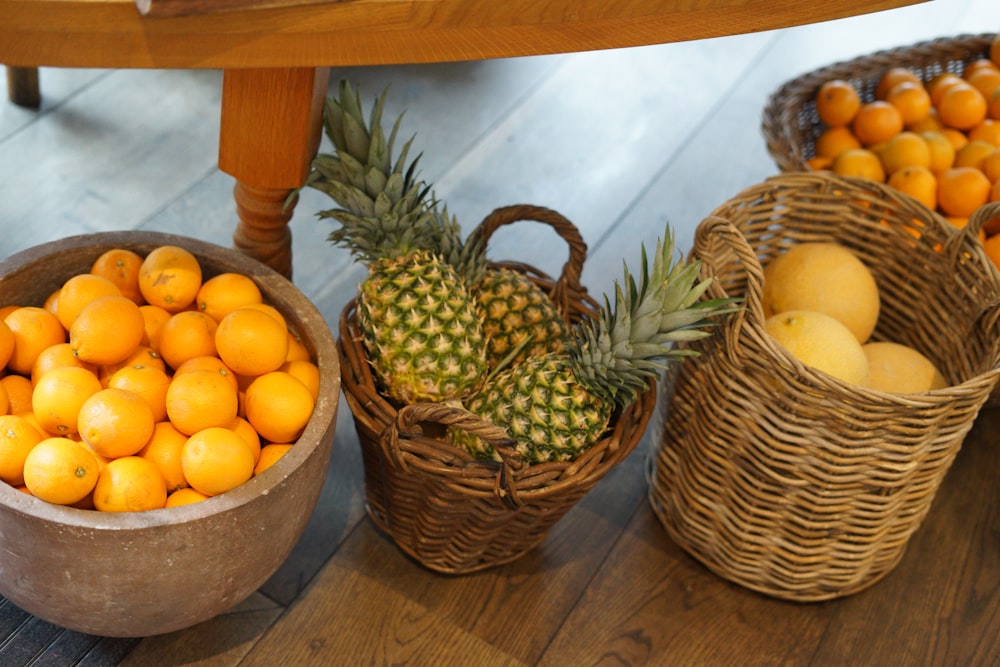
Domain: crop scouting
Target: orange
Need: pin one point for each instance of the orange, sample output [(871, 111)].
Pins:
[(819, 163), (60, 471), (956, 137), (306, 372), (6, 344), (7, 310), (149, 382), (297, 351), (962, 107), (977, 65), (216, 460), (992, 247), (930, 122), (995, 192), (77, 292), (877, 122), (130, 484), (224, 293), (906, 149), (58, 397), (115, 422), (243, 428), (143, 356), (918, 182), (121, 267), (278, 406), (995, 50), (201, 399), (57, 356), (988, 131), (941, 84), (993, 109), (991, 166), (962, 190), (164, 450), (17, 438), (34, 330), (153, 318), (107, 330), (270, 310), (185, 496), (187, 335), (941, 149), (973, 154), (985, 81), (52, 303), (4, 401), (19, 389), (891, 77), (834, 141), (269, 455), (837, 102), (207, 363), (251, 342), (170, 277), (912, 100), (860, 162)]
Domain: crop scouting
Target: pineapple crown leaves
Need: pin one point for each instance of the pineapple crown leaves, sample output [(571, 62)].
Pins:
[(633, 341)]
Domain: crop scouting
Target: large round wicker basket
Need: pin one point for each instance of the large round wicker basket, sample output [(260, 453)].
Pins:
[(780, 477), (452, 513)]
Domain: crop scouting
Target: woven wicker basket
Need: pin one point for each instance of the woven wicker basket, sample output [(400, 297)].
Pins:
[(790, 123), (782, 478), (450, 512)]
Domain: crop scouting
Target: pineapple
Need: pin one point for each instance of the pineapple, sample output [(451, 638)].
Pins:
[(422, 329), (557, 405), (519, 319)]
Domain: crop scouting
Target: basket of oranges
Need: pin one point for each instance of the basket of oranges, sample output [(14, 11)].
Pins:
[(135, 460), (792, 455), (925, 119)]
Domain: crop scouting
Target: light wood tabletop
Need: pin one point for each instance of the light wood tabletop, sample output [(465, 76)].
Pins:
[(276, 55)]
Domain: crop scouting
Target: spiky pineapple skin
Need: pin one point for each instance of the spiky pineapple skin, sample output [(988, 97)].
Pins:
[(516, 312), (421, 329), (544, 408)]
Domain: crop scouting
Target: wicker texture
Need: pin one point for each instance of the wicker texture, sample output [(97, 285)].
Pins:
[(452, 513), (784, 479), (790, 124)]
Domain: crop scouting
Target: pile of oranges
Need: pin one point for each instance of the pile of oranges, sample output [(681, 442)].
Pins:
[(142, 384), (938, 140)]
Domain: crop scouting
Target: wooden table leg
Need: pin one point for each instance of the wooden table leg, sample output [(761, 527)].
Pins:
[(271, 125), (22, 87)]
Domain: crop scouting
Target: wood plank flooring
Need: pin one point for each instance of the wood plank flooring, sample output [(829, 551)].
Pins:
[(622, 143)]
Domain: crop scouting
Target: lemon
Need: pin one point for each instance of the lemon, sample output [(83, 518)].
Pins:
[(900, 369), (821, 342), (825, 277)]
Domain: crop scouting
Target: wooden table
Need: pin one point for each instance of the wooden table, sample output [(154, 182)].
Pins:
[(276, 59)]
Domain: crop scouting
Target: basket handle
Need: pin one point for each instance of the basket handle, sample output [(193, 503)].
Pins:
[(407, 424), (712, 230), (569, 279)]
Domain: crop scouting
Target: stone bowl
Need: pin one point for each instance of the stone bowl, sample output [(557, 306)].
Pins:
[(146, 573)]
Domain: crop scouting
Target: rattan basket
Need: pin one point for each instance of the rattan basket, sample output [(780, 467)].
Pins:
[(790, 124), (452, 513), (782, 478)]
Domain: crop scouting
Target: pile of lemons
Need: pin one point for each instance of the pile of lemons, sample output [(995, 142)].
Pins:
[(821, 303)]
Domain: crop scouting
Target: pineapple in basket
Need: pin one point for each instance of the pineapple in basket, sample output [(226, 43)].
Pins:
[(516, 315), (422, 329), (557, 405)]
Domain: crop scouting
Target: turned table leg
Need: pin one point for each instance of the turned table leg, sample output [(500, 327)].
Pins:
[(271, 124)]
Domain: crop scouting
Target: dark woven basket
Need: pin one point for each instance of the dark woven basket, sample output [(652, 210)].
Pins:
[(787, 480), (452, 513), (790, 123)]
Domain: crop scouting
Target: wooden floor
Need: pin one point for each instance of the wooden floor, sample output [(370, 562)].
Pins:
[(621, 142)]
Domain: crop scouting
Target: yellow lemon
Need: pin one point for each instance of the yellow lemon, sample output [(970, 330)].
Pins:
[(901, 369), (821, 342)]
